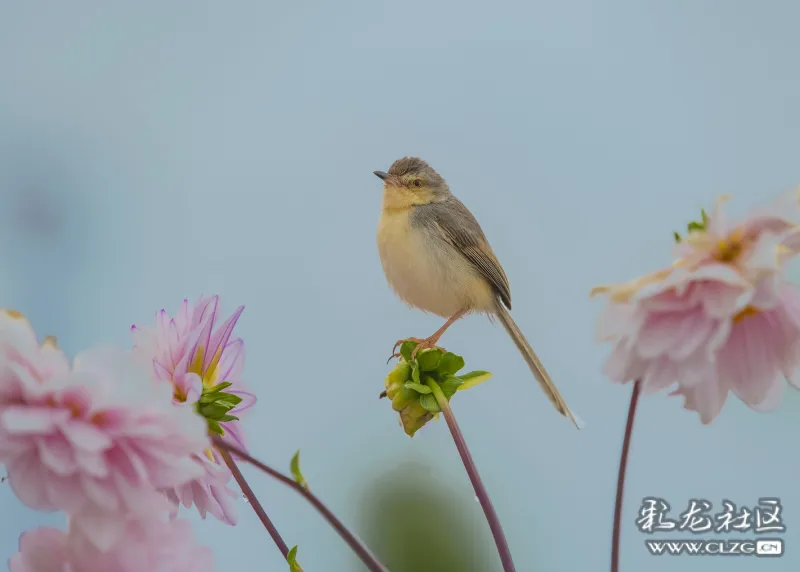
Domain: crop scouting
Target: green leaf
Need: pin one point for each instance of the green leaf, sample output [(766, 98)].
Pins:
[(406, 349), (418, 387), (294, 467), (705, 217), (415, 371), (692, 226), (449, 363), (677, 236), (429, 403), (226, 418), (429, 359), (450, 385), (291, 558), (473, 378), (215, 427)]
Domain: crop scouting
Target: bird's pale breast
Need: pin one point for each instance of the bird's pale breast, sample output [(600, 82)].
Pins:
[(427, 272)]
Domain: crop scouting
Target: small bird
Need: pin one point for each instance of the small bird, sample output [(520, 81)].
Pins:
[(437, 259)]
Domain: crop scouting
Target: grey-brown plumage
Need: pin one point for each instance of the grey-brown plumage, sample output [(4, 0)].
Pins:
[(437, 258), (456, 225)]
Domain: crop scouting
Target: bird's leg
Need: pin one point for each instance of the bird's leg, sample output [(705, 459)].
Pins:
[(430, 341)]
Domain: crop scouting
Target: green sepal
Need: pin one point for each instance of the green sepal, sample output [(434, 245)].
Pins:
[(229, 398), (406, 349), (294, 468), (418, 387), (401, 373), (219, 387), (449, 385), (291, 558), (215, 427), (415, 371), (429, 403), (215, 410), (473, 378), (429, 359), (694, 226), (449, 364)]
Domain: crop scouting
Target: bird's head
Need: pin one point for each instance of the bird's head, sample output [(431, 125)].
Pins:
[(410, 181)]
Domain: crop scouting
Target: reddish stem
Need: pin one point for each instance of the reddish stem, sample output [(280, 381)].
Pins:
[(623, 467), (369, 560), (475, 478), (251, 498)]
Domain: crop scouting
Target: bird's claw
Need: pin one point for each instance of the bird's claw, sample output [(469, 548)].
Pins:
[(422, 344), (426, 345)]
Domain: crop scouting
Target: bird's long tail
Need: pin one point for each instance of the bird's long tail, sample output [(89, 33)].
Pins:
[(535, 364)]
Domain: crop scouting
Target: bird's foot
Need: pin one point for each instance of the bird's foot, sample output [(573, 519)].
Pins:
[(422, 344)]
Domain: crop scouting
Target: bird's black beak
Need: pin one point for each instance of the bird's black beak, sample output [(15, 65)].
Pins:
[(381, 175)]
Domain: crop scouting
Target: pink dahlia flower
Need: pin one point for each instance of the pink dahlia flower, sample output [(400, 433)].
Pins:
[(720, 319), (194, 354), (100, 438), (158, 546)]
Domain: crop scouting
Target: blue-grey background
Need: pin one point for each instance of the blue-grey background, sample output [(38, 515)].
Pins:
[(151, 151)]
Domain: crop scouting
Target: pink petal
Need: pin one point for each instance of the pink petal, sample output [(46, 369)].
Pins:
[(162, 372), (220, 338), (173, 344), (231, 363), (101, 493), (772, 399), (101, 530), (31, 420), (41, 550), (64, 492), (705, 398), (248, 400), (27, 478), (56, 454), (85, 436)]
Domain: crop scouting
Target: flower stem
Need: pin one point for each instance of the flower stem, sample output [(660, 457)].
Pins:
[(369, 560), (623, 467), (474, 477), (251, 498)]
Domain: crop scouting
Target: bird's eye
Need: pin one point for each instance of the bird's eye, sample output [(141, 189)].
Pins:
[(417, 183)]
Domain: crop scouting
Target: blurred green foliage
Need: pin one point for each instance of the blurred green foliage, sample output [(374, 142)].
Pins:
[(414, 523)]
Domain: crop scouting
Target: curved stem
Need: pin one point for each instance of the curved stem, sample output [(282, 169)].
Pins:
[(251, 498), (369, 560), (623, 467), (474, 477)]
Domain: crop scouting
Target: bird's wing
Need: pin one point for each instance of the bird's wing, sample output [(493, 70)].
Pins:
[(462, 230)]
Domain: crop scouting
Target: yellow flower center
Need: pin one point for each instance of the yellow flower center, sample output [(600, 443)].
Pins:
[(730, 248), (209, 376), (178, 394), (748, 311)]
